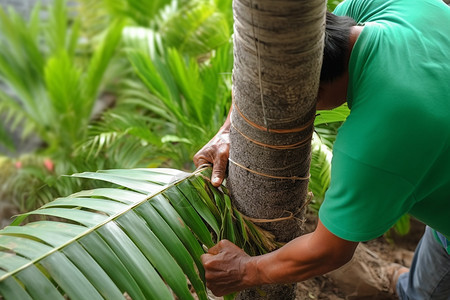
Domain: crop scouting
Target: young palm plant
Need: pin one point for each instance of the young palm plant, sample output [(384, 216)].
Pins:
[(53, 96), (53, 89), (142, 238)]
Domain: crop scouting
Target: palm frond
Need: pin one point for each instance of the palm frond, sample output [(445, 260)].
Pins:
[(194, 95), (21, 61), (331, 4), (225, 7), (195, 28), (320, 171), (328, 132), (64, 87), (338, 114), (94, 21), (403, 225), (123, 135), (140, 11), (5, 139), (143, 238), (57, 27), (14, 114), (100, 60)]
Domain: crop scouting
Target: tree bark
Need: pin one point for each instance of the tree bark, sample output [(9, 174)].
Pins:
[(278, 49)]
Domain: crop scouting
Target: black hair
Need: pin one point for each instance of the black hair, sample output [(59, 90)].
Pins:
[(337, 42)]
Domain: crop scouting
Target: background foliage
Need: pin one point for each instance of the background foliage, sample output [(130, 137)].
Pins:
[(64, 72), (119, 84)]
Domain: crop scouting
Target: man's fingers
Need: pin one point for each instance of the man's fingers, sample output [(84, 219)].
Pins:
[(205, 257), (219, 170), (217, 177), (214, 250), (200, 160), (219, 246), (200, 163)]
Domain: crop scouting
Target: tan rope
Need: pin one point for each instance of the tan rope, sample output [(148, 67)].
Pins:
[(255, 220), (309, 197), (262, 128), (267, 175), (291, 214), (276, 147)]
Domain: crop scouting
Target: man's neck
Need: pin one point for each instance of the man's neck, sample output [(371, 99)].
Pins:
[(333, 94), (355, 31)]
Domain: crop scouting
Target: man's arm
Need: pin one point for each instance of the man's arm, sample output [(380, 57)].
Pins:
[(229, 269)]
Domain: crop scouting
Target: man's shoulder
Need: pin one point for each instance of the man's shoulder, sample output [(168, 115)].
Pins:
[(363, 11)]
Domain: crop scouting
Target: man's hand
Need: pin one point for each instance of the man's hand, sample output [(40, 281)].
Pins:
[(216, 152), (226, 268)]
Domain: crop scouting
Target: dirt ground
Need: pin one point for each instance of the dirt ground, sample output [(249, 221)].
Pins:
[(365, 276)]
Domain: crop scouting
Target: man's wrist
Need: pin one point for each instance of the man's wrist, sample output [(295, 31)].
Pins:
[(250, 272), (254, 273)]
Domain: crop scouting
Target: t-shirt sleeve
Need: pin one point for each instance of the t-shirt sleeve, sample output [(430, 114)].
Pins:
[(348, 8), (359, 10), (362, 202)]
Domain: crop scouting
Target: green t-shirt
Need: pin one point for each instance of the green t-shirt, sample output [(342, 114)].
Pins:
[(392, 154)]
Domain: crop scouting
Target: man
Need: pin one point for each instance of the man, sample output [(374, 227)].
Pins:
[(391, 156)]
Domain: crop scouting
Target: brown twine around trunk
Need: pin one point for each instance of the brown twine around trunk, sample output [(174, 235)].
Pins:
[(276, 147), (290, 217), (267, 175), (262, 128)]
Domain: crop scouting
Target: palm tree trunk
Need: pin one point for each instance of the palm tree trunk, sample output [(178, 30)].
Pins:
[(277, 58)]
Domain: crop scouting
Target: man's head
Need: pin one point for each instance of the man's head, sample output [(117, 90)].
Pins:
[(337, 45), (340, 35)]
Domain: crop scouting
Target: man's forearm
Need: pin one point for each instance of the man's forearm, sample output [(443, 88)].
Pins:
[(300, 259), (294, 262)]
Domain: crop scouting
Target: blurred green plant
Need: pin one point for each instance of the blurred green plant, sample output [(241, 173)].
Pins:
[(331, 4), (52, 96), (320, 170), (52, 93)]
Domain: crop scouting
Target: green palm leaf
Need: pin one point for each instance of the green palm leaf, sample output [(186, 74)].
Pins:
[(140, 11), (320, 171), (338, 114), (143, 238), (195, 28)]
